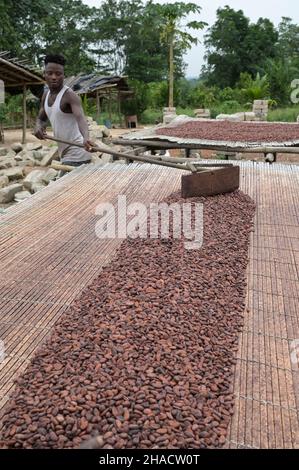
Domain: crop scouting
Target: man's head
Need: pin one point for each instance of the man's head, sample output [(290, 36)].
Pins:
[(54, 71)]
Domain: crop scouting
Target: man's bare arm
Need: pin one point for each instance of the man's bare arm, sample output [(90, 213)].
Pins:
[(78, 112), (41, 121)]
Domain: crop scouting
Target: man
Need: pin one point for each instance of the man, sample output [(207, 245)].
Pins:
[(63, 109)]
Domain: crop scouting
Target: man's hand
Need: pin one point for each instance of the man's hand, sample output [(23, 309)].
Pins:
[(40, 132), (88, 145)]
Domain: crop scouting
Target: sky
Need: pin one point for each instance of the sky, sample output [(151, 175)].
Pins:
[(253, 9)]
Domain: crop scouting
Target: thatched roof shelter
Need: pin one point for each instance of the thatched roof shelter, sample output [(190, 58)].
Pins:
[(18, 76)]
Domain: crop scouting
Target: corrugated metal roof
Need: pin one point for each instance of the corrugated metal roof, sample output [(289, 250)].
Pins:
[(92, 82)]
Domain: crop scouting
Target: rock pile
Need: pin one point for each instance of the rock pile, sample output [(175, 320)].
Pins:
[(19, 177), (17, 163)]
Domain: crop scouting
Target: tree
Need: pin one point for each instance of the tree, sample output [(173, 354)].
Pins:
[(288, 40), (66, 30), (126, 40), (37, 27), (173, 35), (225, 47), (19, 27), (145, 54), (234, 45), (259, 45)]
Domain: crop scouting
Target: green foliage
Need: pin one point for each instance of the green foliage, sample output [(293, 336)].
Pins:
[(176, 36), (139, 102), (244, 60), (234, 45), (257, 88), (226, 107), (288, 40), (288, 114), (11, 110), (281, 72), (151, 116)]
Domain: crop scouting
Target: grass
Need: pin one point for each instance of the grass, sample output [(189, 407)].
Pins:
[(284, 114)]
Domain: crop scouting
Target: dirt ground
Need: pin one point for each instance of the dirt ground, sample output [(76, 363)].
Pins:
[(15, 135)]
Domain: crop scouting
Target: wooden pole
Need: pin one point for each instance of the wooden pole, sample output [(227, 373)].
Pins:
[(97, 148), (171, 72), (109, 104), (98, 104), (24, 115), (118, 107)]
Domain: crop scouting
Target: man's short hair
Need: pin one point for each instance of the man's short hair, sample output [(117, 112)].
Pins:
[(55, 59)]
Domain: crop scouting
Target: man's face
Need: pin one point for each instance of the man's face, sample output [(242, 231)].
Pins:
[(54, 76)]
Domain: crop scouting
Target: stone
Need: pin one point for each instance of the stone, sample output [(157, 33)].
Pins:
[(35, 187), (169, 114), (11, 154), (240, 115), (270, 158), (194, 153), (96, 159), (30, 161), (3, 181), (21, 196), (34, 146), (95, 132), (17, 147), (12, 173), (105, 131), (37, 155), (49, 175), (249, 116), (6, 163), (49, 156), (231, 117), (24, 155), (33, 178), (21, 164), (202, 113), (7, 194), (3, 151), (106, 158)]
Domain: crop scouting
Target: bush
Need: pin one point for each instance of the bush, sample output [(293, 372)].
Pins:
[(151, 116), (227, 107), (284, 114), (139, 102)]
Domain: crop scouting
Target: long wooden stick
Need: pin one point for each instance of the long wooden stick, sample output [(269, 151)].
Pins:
[(61, 167), (97, 148)]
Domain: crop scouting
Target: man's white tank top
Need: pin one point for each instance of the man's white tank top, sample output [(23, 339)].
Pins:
[(65, 127)]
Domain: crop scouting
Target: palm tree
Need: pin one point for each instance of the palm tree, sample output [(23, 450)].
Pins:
[(173, 34)]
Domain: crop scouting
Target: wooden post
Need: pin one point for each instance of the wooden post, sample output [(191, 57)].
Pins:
[(119, 108), (24, 115), (98, 104), (109, 104), (171, 71)]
